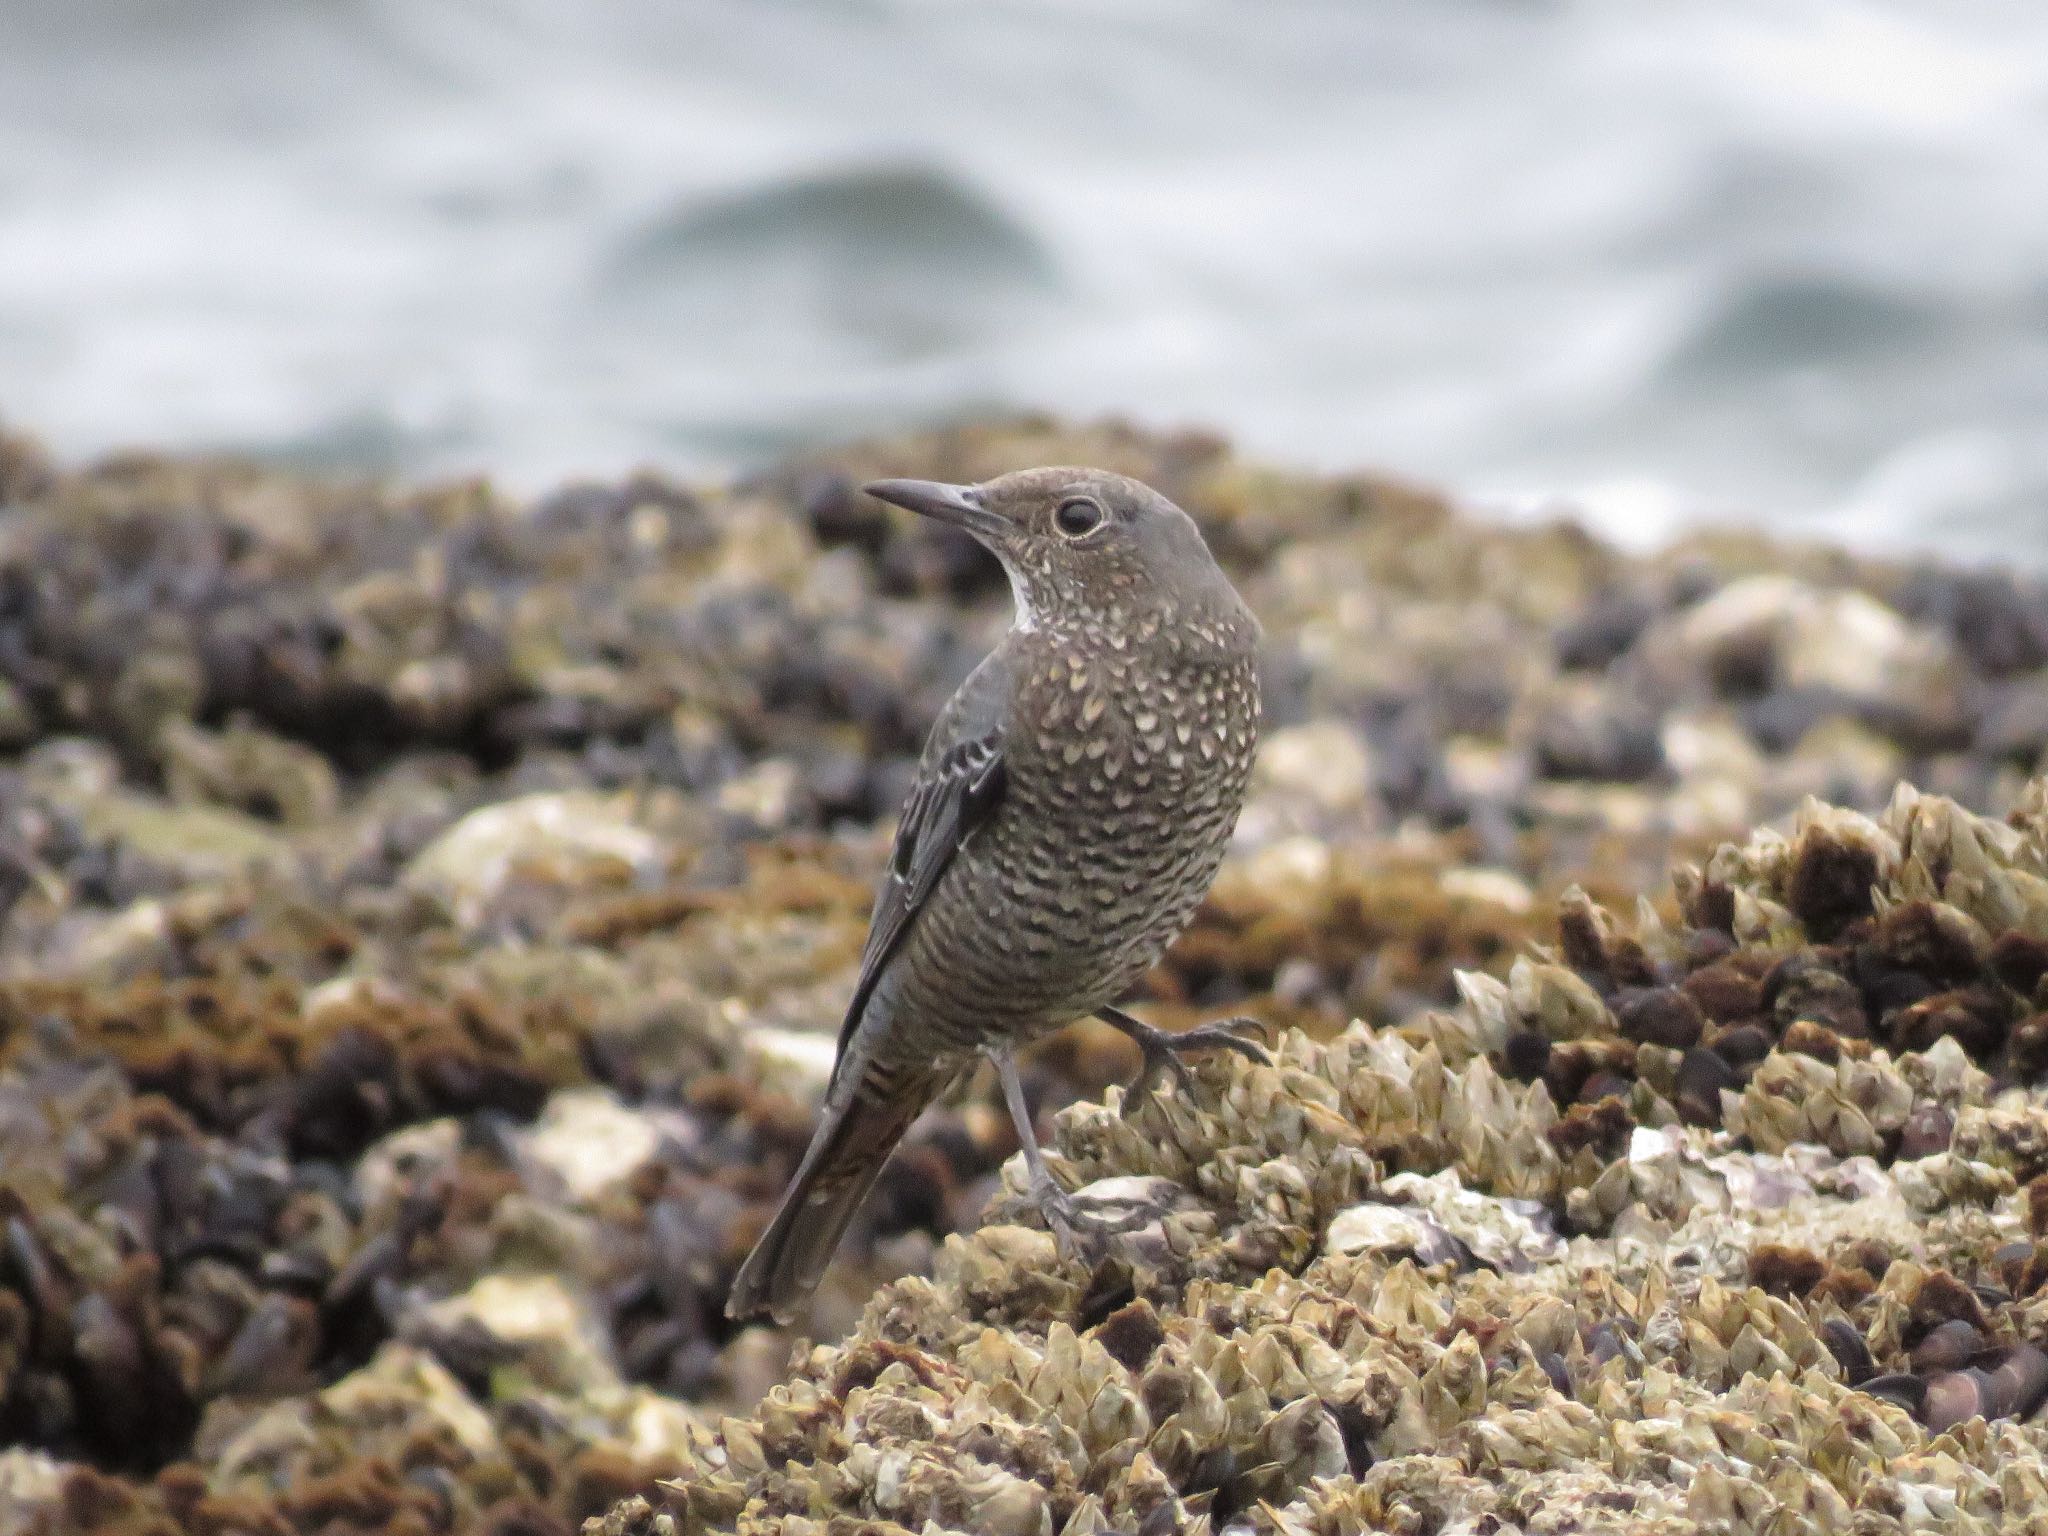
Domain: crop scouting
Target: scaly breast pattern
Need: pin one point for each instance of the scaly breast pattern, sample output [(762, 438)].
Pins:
[(1125, 771)]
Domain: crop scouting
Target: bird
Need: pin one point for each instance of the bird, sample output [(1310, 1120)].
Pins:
[(1069, 812)]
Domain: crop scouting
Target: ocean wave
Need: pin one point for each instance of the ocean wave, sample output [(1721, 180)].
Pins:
[(1782, 262)]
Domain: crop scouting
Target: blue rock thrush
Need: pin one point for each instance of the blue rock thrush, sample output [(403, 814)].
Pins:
[(1068, 816)]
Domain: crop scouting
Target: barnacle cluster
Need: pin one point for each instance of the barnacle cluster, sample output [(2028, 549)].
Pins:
[(427, 916), (1509, 1264)]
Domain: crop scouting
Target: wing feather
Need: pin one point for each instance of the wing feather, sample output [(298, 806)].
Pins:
[(954, 796)]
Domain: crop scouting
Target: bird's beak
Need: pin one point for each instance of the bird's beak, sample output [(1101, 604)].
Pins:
[(961, 505)]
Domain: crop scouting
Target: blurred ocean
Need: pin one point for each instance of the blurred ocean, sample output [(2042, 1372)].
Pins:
[(1782, 261)]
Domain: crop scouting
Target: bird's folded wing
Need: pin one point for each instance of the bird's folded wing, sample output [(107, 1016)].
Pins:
[(954, 795)]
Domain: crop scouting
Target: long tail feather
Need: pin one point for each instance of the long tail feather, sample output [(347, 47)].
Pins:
[(845, 1156)]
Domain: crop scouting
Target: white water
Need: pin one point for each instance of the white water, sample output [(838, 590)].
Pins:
[(1777, 260)]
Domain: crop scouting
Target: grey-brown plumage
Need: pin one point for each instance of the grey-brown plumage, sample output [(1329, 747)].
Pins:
[(1069, 813)]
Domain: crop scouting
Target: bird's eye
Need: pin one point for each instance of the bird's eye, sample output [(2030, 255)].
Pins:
[(1077, 517)]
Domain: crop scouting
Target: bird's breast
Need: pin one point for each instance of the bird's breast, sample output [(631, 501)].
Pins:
[(1122, 782), (1131, 776)]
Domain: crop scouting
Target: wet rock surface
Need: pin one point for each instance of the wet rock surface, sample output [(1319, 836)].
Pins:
[(427, 919)]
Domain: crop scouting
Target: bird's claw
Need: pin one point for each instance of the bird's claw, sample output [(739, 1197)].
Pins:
[(1164, 1049), (1078, 1233)]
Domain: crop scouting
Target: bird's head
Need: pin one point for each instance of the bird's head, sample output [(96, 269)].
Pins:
[(1084, 547)]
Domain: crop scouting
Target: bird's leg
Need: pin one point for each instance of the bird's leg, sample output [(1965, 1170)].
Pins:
[(1163, 1048), (1080, 1234), (1055, 1203)]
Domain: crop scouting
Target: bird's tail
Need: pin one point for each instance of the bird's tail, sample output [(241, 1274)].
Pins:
[(846, 1153)]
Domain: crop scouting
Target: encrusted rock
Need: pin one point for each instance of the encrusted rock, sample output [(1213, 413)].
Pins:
[(428, 918)]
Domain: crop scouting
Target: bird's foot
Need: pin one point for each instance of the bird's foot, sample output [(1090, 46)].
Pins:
[(1086, 1230), (1078, 1232), (1163, 1050)]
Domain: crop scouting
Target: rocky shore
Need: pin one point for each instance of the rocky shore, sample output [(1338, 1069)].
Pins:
[(427, 918)]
